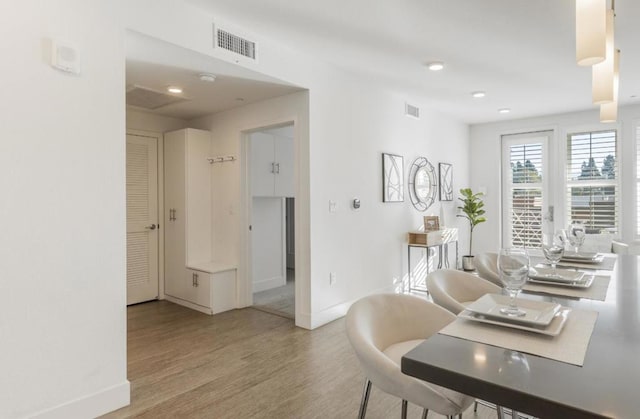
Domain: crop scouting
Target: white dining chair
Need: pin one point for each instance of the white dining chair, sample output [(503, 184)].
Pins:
[(384, 327), (619, 247), (487, 267), (453, 290)]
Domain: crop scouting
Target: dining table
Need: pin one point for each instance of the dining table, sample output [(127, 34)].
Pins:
[(607, 385)]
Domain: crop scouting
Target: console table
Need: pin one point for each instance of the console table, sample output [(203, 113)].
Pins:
[(427, 240)]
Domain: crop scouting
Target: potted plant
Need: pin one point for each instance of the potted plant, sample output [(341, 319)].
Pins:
[(473, 211)]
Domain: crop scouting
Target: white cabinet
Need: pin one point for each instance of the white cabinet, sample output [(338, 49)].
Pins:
[(188, 220), (271, 165)]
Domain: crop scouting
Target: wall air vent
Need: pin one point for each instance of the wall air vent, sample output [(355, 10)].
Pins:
[(150, 99), (234, 43), (411, 110)]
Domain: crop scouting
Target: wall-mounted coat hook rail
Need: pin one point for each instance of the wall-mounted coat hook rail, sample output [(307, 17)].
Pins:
[(220, 159)]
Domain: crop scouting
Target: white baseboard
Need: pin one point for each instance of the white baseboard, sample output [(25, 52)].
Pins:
[(91, 406), (335, 312), (267, 284), (202, 309)]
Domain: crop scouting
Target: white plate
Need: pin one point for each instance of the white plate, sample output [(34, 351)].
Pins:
[(554, 328), (560, 275), (586, 282), (537, 313), (582, 257)]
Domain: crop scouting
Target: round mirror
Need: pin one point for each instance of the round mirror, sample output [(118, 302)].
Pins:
[(422, 184)]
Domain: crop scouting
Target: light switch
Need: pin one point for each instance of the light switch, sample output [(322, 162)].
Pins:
[(333, 206)]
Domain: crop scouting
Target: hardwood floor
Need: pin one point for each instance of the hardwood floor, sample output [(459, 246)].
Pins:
[(244, 364)]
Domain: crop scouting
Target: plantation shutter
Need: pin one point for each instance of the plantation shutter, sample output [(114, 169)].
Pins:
[(592, 194)]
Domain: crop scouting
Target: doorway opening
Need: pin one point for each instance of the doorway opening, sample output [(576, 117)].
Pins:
[(272, 215)]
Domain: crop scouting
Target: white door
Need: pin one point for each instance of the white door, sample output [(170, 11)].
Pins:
[(526, 201), (142, 218), (284, 183)]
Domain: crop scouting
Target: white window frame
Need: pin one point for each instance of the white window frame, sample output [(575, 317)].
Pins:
[(565, 213)]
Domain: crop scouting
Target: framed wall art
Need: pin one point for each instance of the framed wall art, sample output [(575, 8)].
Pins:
[(392, 178), (422, 184), (446, 181)]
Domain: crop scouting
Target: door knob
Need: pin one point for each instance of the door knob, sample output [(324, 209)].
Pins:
[(151, 227)]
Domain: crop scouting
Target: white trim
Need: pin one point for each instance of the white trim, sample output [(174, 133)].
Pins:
[(563, 162), (189, 304), (339, 310), (267, 284), (92, 405)]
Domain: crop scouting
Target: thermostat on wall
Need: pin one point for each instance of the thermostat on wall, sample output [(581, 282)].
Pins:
[(65, 57)]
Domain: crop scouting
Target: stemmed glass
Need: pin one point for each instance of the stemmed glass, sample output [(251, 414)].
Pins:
[(576, 234), (513, 265), (553, 249)]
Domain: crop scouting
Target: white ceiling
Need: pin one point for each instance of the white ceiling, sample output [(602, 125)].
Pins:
[(155, 65), (521, 52)]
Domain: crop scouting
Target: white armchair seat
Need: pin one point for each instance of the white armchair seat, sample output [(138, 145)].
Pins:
[(453, 289), (487, 267), (384, 327)]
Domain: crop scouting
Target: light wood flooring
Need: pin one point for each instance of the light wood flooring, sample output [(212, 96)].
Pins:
[(280, 300), (245, 364)]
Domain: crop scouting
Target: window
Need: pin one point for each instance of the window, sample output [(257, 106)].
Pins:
[(592, 194), (523, 194)]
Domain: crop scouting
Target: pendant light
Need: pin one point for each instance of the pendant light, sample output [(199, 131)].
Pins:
[(609, 111), (590, 31), (602, 81)]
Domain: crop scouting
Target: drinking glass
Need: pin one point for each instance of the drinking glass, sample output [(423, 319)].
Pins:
[(553, 248), (576, 234), (513, 265)]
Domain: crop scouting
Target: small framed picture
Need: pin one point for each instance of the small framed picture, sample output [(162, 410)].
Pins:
[(446, 181), (392, 178), (431, 223)]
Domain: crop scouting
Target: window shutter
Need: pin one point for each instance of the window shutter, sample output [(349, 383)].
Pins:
[(593, 180), (525, 214)]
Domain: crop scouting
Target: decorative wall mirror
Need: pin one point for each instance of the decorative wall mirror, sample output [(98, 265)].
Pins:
[(423, 184)]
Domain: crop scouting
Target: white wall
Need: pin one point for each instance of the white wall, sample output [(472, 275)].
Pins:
[(144, 121), (267, 244), (62, 248), (485, 163), (351, 122)]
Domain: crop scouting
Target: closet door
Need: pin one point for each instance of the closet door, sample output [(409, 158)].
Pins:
[(175, 214), (284, 183), (262, 164), (142, 218)]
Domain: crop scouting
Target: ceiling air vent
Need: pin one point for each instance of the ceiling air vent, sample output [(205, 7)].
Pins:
[(234, 43), (411, 110), (150, 99)]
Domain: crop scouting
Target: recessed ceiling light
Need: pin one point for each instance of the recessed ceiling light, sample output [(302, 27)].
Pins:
[(504, 110), (478, 94), (174, 89), (435, 66), (208, 77)]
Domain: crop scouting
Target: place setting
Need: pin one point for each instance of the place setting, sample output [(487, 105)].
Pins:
[(557, 281), (541, 328), (575, 236)]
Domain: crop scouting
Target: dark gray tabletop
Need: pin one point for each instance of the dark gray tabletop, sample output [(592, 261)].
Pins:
[(607, 385)]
